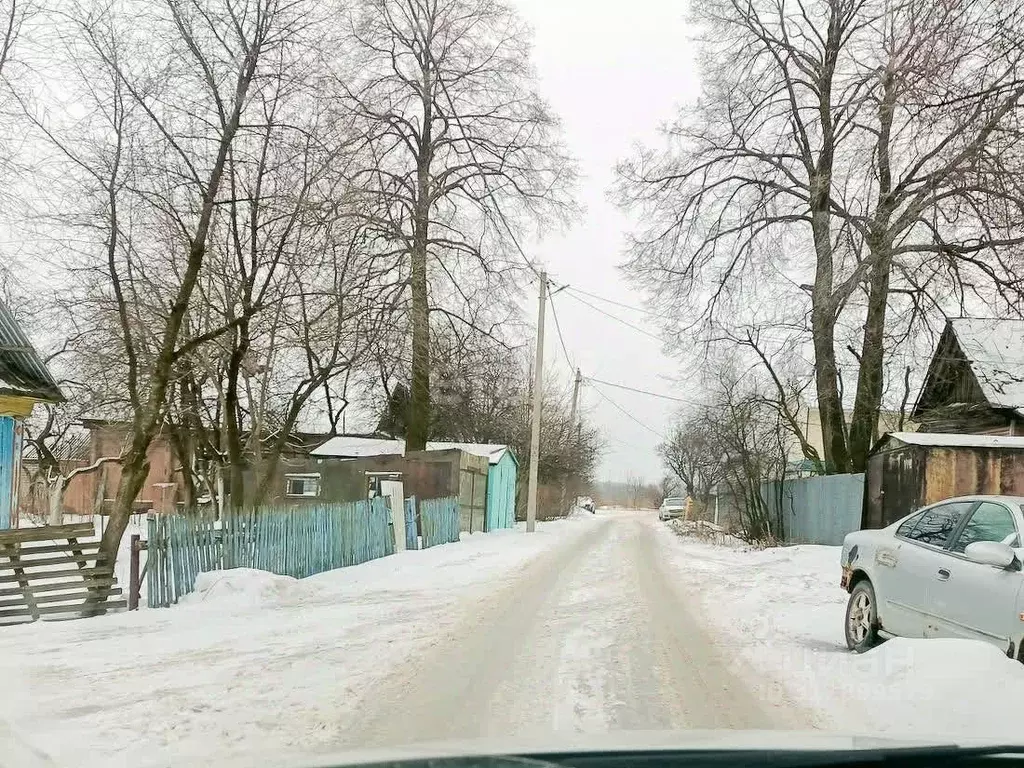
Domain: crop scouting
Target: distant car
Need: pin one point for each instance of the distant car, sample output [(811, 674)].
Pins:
[(587, 503), (673, 506), (951, 569)]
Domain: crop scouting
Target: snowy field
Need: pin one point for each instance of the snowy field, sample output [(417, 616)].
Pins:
[(250, 660), (780, 612)]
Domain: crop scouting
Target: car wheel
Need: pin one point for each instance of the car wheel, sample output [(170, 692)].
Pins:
[(862, 618)]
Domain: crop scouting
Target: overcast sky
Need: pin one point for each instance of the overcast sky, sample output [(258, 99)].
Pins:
[(613, 72)]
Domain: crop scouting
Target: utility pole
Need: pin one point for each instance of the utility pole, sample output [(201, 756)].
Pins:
[(538, 395), (573, 436), (575, 400)]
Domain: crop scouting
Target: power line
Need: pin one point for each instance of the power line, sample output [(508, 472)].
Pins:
[(643, 310), (558, 328), (636, 328), (640, 391), (629, 415)]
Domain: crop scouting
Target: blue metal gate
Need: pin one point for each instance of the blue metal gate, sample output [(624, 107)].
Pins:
[(8, 461), (411, 536)]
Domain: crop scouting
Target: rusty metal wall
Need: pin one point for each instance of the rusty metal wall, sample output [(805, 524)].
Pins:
[(965, 471), (903, 480)]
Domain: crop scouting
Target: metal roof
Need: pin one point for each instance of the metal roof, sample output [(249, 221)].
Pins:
[(949, 440), (22, 372), (346, 447)]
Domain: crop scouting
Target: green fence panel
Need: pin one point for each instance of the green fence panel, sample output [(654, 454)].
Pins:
[(290, 542), (440, 521)]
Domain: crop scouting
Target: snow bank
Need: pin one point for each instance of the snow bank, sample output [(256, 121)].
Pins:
[(243, 588), (251, 661), (779, 616)]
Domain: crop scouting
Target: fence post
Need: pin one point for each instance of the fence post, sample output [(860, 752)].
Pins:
[(134, 584)]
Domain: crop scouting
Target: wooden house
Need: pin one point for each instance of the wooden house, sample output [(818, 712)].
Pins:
[(975, 381), (24, 381)]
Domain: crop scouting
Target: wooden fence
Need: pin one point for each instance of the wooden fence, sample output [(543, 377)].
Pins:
[(53, 571), (290, 542), (439, 519)]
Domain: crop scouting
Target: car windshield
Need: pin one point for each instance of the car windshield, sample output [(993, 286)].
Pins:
[(380, 373)]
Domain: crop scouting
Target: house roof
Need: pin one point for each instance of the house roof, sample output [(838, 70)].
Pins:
[(951, 440), (995, 351), (22, 372), (349, 447)]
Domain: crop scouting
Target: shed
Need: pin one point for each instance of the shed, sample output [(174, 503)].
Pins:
[(908, 470), (24, 381), (502, 472)]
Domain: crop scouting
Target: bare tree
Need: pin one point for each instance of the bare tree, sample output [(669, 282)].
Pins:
[(693, 453), (837, 150), (463, 152), (169, 89)]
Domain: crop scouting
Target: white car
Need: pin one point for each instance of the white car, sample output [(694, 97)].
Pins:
[(951, 569), (673, 506)]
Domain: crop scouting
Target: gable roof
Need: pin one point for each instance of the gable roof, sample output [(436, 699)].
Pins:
[(349, 447), (994, 351), (22, 372)]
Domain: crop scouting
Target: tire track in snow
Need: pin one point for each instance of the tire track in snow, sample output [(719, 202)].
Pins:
[(592, 637)]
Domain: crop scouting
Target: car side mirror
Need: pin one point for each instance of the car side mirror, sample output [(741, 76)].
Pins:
[(991, 553)]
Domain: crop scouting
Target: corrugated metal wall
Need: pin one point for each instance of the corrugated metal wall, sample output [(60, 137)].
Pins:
[(818, 510)]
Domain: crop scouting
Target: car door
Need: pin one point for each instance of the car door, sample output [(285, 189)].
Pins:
[(906, 574), (975, 600)]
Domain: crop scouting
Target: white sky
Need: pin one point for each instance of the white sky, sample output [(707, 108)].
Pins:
[(613, 72)]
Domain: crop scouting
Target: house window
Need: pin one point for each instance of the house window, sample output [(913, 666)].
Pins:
[(302, 485)]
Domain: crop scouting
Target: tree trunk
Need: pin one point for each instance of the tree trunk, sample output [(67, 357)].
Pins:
[(55, 493), (864, 421), (418, 423), (236, 457)]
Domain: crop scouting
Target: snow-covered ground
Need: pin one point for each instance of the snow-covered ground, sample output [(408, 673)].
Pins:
[(249, 661), (779, 616)]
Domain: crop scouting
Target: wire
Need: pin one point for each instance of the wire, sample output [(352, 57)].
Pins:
[(630, 415), (613, 301), (636, 328), (565, 351), (640, 391)]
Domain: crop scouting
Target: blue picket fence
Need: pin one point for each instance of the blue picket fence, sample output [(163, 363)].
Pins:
[(290, 542), (439, 519)]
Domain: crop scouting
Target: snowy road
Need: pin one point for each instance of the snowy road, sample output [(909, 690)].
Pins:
[(592, 638)]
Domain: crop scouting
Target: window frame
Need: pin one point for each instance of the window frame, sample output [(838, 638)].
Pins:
[(967, 518), (944, 547), (304, 476)]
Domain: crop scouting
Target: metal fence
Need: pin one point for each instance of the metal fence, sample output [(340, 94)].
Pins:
[(817, 510), (439, 519), (291, 542)]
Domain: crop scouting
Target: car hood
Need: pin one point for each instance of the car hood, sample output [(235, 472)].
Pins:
[(618, 741)]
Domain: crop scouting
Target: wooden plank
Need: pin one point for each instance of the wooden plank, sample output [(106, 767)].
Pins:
[(46, 533), (40, 562), (34, 549), (64, 585), (42, 575), (23, 580), (12, 612), (50, 610), (77, 595)]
